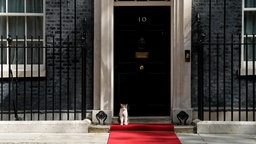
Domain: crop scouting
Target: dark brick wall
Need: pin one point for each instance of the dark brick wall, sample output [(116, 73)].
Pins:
[(74, 29), (221, 82), (61, 89)]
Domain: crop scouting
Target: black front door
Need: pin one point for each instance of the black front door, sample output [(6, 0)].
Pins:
[(142, 60)]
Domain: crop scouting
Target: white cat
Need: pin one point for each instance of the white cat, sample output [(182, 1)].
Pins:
[(123, 114)]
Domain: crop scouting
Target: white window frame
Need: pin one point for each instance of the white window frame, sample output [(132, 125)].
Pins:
[(246, 66), (19, 70)]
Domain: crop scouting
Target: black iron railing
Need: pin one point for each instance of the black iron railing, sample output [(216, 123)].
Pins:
[(44, 77), (226, 79), (50, 88), (223, 62)]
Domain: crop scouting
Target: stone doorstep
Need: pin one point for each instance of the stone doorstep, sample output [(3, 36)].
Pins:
[(93, 128), (226, 127), (184, 129), (106, 129), (148, 120), (99, 128)]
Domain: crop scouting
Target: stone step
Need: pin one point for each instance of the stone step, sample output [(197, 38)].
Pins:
[(147, 120), (99, 128), (184, 129), (106, 129)]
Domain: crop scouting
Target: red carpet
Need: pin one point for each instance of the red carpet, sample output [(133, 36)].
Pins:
[(143, 134)]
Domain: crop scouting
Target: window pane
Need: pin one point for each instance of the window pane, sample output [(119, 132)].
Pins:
[(15, 6), (17, 53), (3, 53), (249, 3), (35, 26), (2, 6), (249, 45), (17, 26), (35, 52), (249, 22), (3, 26), (34, 6)]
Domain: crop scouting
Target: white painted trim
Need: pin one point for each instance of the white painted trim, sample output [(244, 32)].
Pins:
[(103, 52), (103, 55), (181, 70), (107, 56)]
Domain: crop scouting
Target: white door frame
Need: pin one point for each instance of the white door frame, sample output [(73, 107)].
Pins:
[(104, 53)]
